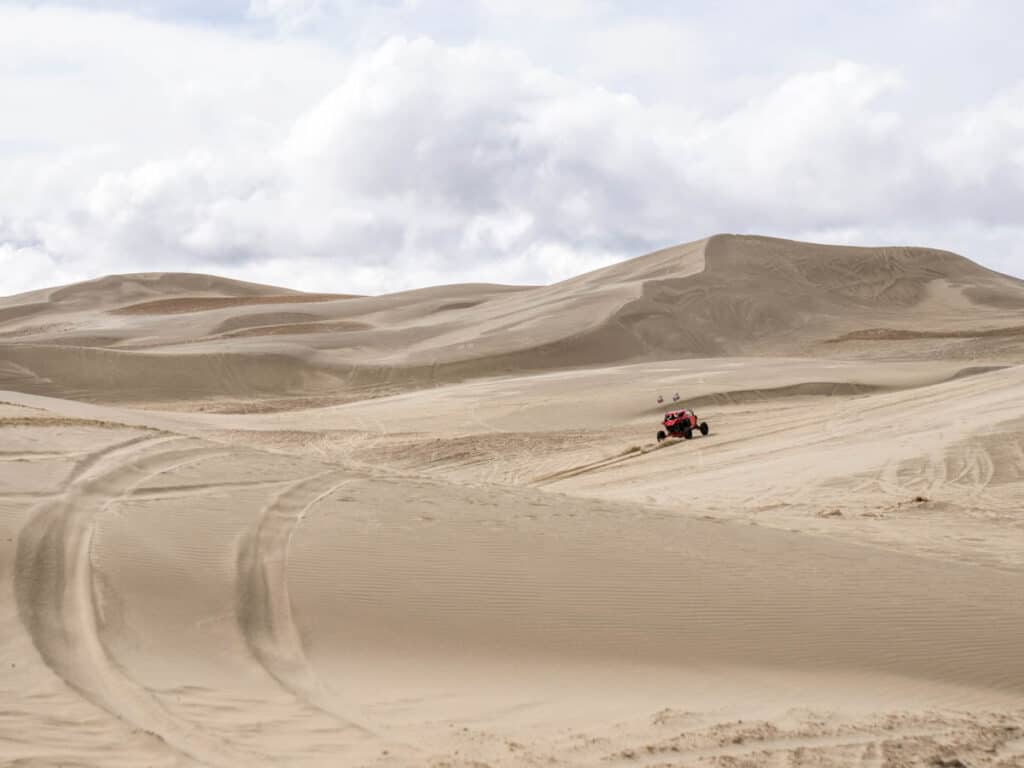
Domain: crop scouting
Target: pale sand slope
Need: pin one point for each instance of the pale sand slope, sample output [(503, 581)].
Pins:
[(172, 600), (928, 458), (507, 571), (131, 338)]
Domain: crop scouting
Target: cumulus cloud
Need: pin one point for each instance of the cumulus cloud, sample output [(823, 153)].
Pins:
[(986, 145), (289, 14), (27, 267), (414, 161)]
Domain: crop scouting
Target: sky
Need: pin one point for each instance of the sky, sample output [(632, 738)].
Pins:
[(376, 146)]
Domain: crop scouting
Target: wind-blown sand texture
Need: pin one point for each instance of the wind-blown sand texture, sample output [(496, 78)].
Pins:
[(434, 528)]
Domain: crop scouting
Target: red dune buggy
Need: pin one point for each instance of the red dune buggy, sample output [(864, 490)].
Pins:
[(681, 424)]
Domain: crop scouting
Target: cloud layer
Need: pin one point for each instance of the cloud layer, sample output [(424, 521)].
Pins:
[(399, 160)]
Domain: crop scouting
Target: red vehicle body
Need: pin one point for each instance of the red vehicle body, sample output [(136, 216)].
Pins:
[(682, 423)]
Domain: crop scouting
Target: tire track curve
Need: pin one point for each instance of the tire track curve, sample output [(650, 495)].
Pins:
[(56, 601), (264, 604)]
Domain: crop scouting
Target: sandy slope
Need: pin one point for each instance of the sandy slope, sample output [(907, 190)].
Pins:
[(506, 569), (727, 295)]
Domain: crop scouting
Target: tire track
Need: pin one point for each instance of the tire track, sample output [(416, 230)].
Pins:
[(264, 605), (56, 601), (837, 423), (35, 455), (164, 492)]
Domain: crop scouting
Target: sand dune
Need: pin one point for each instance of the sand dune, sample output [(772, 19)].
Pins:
[(434, 528), (893, 334), (185, 304), (727, 295)]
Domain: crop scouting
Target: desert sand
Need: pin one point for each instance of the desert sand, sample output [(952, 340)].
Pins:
[(241, 525)]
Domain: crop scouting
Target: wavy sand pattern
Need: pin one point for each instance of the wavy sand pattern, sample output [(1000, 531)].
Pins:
[(434, 528)]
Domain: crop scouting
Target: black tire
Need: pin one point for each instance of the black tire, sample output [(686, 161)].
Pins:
[(661, 435), (688, 433), (703, 427)]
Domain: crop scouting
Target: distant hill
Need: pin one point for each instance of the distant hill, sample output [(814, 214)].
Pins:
[(165, 336)]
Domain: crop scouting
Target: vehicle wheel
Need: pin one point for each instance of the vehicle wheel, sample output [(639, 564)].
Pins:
[(661, 435), (703, 427), (688, 433)]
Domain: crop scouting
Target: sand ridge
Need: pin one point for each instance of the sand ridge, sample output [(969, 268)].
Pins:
[(727, 295), (185, 304), (435, 528)]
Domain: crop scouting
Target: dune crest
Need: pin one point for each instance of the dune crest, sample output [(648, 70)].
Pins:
[(727, 295)]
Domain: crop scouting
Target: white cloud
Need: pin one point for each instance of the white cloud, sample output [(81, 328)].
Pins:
[(987, 142), (817, 145), (288, 14), (414, 161), (26, 268)]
